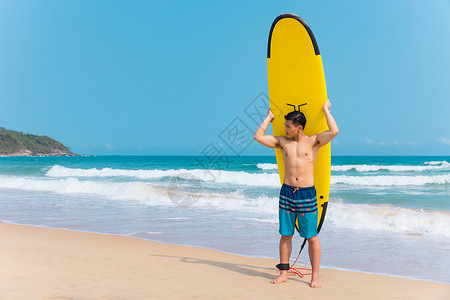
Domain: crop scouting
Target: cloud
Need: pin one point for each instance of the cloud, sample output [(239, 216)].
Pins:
[(371, 142), (444, 140), (408, 143), (109, 146), (394, 143)]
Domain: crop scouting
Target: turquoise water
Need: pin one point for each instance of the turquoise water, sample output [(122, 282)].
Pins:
[(391, 213)]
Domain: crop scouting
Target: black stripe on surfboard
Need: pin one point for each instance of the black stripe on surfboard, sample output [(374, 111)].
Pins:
[(295, 17), (322, 217)]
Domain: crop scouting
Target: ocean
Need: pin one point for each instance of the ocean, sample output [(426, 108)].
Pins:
[(386, 215)]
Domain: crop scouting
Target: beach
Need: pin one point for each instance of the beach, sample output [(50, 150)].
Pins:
[(42, 263), (391, 213), (158, 227)]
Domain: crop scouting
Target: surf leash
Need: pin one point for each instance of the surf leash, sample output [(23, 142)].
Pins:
[(296, 270)]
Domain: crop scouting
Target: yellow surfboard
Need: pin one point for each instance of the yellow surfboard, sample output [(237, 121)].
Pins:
[(297, 82)]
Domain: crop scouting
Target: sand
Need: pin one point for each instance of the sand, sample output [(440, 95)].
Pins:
[(41, 263)]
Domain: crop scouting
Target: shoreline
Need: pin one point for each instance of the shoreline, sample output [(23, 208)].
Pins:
[(18, 154), (226, 252), (43, 262)]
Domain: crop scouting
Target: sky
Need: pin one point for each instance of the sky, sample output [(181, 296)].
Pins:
[(173, 77)]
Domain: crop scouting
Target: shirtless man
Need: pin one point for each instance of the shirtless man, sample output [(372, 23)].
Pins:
[(298, 194)]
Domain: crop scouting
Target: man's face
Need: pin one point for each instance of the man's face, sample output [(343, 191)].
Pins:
[(290, 129)]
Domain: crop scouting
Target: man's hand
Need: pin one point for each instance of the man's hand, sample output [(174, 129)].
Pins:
[(326, 136), (327, 106), (260, 135), (270, 115)]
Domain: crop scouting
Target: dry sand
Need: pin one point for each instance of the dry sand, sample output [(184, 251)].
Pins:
[(40, 263)]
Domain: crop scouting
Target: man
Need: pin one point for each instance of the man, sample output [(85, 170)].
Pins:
[(298, 194)]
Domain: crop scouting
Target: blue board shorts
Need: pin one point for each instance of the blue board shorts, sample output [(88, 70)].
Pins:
[(298, 203)]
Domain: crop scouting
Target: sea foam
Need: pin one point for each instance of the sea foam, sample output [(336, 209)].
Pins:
[(218, 176), (145, 193), (429, 166), (381, 180), (245, 178), (388, 218), (139, 191), (352, 216), (267, 166)]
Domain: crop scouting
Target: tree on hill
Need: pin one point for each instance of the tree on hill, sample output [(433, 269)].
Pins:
[(14, 142)]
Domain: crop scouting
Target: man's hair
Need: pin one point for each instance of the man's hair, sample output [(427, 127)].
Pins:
[(297, 118)]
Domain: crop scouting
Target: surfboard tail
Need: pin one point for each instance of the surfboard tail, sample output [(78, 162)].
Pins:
[(322, 216)]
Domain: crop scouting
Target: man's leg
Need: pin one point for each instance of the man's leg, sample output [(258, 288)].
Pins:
[(315, 252), (285, 254)]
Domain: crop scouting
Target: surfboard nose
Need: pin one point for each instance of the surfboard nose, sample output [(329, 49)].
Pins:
[(292, 17)]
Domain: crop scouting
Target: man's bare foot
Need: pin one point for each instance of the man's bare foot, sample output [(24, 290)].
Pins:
[(280, 279), (315, 284)]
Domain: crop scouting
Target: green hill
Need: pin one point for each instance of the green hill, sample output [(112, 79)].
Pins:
[(14, 143)]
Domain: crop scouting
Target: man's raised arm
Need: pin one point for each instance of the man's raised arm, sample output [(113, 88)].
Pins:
[(266, 140), (326, 136)]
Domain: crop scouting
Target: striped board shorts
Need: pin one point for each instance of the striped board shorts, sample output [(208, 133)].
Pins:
[(298, 205)]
